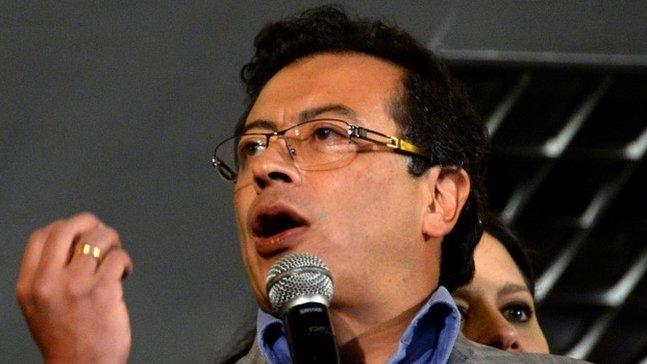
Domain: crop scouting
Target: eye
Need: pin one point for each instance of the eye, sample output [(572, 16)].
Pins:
[(327, 133), (250, 147), (517, 312), (462, 309), (322, 133)]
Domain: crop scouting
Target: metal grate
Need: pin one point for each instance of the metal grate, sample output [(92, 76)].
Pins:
[(568, 172)]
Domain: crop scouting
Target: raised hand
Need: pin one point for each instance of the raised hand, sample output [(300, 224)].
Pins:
[(70, 291)]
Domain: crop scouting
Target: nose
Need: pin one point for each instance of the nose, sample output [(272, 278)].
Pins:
[(499, 333), (274, 166)]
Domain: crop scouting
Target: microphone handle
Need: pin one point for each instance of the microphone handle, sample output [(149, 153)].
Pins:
[(310, 334)]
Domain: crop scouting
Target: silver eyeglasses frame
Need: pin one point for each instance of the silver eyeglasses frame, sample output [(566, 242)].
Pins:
[(394, 143)]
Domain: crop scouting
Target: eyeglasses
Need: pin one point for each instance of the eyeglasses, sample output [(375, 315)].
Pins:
[(317, 144)]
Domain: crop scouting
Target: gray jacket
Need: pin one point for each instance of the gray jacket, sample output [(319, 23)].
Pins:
[(464, 351)]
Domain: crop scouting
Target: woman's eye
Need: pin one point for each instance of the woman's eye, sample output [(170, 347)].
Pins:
[(463, 311), (517, 312)]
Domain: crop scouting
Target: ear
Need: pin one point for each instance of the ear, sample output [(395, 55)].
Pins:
[(448, 189)]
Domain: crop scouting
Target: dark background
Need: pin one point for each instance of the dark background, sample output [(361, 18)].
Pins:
[(115, 107)]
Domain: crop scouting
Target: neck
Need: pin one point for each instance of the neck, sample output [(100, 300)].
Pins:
[(365, 338)]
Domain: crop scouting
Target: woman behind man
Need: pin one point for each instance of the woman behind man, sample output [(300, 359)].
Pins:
[(498, 305)]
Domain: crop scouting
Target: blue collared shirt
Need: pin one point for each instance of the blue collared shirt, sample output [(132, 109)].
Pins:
[(429, 338)]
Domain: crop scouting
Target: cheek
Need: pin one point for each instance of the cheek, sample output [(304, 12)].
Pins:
[(532, 338), (337, 195), (473, 327), (370, 189), (349, 205), (242, 201), (348, 208), (255, 270)]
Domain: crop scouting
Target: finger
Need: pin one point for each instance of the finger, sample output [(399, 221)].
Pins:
[(116, 266), (29, 263), (56, 250), (101, 237)]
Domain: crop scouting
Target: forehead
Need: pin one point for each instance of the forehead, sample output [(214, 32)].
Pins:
[(365, 85), (493, 263)]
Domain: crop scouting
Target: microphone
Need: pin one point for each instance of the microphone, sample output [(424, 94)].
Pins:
[(299, 287)]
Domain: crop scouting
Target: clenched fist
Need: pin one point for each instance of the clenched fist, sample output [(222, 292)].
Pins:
[(70, 291)]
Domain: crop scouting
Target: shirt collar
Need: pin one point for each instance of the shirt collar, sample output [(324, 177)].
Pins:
[(429, 338), (431, 335), (271, 339)]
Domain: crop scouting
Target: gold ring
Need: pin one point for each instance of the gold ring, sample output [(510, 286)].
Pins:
[(88, 249)]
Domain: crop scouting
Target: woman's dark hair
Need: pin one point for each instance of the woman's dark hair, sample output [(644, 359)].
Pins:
[(431, 110), (515, 247)]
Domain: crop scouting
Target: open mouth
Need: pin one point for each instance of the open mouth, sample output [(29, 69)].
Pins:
[(270, 224)]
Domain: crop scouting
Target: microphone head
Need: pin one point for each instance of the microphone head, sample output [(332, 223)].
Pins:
[(298, 278)]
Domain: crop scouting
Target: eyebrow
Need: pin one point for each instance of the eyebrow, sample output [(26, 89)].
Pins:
[(334, 108), (510, 288), (305, 115), (261, 124)]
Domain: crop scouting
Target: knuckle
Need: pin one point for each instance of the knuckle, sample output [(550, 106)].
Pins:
[(123, 257), (76, 288), (108, 292), (56, 225), (52, 230), (115, 256), (112, 234), (42, 292), (120, 261), (23, 293), (37, 235), (86, 216)]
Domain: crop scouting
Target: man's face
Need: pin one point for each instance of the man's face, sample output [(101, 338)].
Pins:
[(364, 218)]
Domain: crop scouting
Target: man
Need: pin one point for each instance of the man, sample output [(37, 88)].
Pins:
[(356, 147)]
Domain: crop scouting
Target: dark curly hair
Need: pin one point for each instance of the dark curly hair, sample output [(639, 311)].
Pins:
[(432, 110)]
